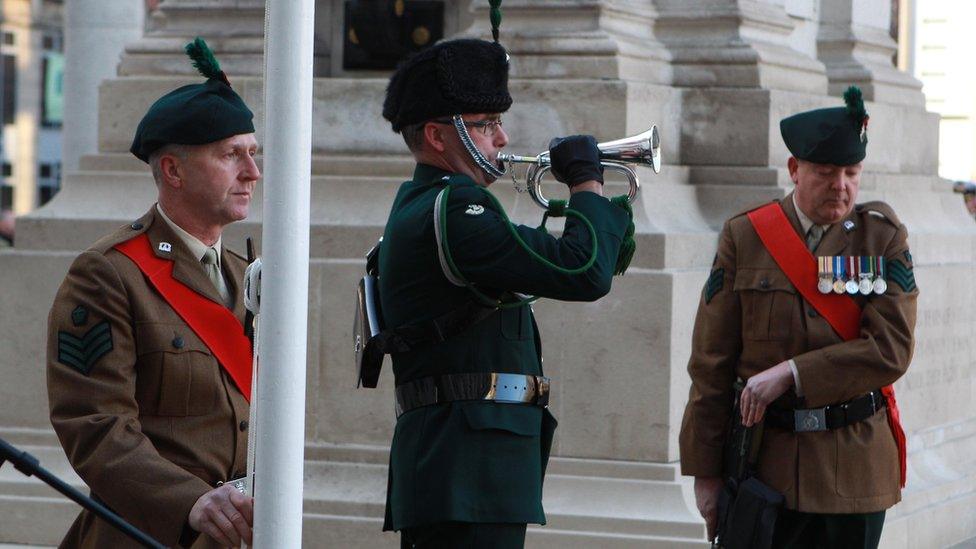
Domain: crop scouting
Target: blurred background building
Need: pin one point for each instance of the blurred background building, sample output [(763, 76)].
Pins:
[(936, 46), (31, 43)]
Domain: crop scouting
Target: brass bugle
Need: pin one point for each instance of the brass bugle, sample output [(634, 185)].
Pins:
[(643, 149)]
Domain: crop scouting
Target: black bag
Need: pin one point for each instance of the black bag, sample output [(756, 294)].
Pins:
[(369, 323), (747, 508), (750, 510)]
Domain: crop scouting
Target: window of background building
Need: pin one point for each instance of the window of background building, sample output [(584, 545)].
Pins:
[(9, 88), (6, 197), (8, 39), (48, 181), (52, 72)]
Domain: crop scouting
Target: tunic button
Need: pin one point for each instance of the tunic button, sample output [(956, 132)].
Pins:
[(812, 313), (178, 342), (764, 284), (243, 425), (136, 226)]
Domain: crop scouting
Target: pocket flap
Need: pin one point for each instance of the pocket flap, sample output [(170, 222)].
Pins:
[(155, 337), (763, 280), (520, 419)]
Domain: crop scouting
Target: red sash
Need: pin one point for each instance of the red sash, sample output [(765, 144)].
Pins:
[(841, 312), (215, 324)]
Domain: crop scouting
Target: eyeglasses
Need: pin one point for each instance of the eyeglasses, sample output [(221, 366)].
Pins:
[(488, 128)]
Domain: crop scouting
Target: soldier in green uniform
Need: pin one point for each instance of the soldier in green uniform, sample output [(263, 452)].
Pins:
[(832, 443), (473, 432)]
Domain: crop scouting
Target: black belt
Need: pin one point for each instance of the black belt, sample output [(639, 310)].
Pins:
[(507, 388), (830, 417)]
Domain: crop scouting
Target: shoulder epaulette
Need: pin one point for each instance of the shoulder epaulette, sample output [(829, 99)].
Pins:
[(753, 208), (122, 234), (457, 179), (880, 209)]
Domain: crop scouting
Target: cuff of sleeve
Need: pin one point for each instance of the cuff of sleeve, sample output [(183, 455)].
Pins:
[(702, 462), (796, 379)]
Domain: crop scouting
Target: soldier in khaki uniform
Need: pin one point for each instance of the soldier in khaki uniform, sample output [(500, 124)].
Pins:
[(838, 478), (146, 413)]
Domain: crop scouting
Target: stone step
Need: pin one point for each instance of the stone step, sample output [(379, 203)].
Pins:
[(584, 504)]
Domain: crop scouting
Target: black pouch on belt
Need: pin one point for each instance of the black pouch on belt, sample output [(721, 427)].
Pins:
[(752, 516), (747, 508)]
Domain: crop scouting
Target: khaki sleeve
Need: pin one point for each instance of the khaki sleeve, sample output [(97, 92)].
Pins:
[(882, 353), (715, 348), (91, 374)]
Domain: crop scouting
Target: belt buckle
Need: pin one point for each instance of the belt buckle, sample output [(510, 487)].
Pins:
[(542, 391), (810, 420), (510, 388)]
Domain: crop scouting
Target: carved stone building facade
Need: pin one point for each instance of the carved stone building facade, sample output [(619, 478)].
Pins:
[(716, 76)]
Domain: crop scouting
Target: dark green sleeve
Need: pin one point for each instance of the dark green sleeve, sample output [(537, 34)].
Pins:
[(488, 255)]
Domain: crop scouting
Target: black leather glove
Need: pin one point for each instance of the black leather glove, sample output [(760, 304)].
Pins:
[(575, 159)]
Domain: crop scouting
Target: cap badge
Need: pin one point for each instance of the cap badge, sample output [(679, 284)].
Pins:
[(475, 209)]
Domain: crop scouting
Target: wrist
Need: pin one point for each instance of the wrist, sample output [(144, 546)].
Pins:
[(592, 186)]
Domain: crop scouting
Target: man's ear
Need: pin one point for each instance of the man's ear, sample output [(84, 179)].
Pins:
[(794, 166), (434, 137), (169, 166)]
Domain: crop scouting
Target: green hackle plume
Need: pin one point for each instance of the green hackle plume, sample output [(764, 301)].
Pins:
[(496, 17), (628, 246), (854, 99), (204, 60)]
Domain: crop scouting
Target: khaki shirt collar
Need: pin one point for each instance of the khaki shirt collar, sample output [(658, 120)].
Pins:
[(805, 222), (197, 248)]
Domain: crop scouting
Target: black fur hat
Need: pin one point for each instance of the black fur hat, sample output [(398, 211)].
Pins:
[(452, 77)]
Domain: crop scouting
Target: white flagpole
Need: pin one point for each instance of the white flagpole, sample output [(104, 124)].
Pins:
[(280, 429)]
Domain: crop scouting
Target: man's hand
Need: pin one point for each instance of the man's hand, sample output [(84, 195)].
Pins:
[(707, 490), (575, 159), (224, 514), (761, 390)]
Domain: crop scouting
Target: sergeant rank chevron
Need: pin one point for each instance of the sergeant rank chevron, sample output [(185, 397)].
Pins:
[(81, 353)]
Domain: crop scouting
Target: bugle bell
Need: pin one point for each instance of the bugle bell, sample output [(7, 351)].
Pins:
[(643, 149)]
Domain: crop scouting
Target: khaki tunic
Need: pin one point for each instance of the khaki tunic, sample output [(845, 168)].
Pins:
[(156, 422), (757, 319)]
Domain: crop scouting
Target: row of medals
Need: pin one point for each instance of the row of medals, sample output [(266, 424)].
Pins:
[(851, 274)]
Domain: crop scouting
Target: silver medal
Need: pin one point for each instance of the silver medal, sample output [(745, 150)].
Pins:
[(880, 286)]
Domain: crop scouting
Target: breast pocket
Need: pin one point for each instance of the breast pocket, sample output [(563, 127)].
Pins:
[(768, 302), (176, 375)]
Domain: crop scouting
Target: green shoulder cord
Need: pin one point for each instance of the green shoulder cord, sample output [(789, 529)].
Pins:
[(557, 208), (627, 246)]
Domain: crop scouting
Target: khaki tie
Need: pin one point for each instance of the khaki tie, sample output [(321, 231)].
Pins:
[(814, 235), (213, 273)]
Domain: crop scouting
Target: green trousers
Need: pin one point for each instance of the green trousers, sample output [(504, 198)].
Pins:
[(795, 530), (464, 535)]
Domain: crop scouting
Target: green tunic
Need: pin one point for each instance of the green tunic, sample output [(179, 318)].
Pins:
[(477, 461)]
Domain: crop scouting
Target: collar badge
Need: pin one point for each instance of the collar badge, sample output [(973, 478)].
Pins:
[(165, 247)]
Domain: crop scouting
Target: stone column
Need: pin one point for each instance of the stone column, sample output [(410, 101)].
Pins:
[(855, 45), (234, 30), (552, 39), (737, 43), (95, 33)]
